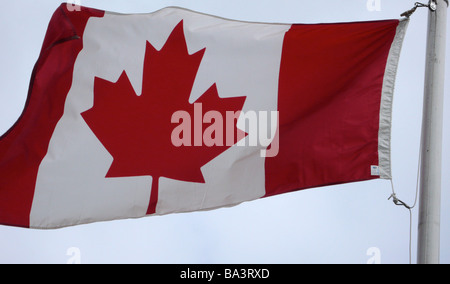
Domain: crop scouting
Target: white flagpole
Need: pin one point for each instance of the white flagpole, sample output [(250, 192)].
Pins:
[(430, 169)]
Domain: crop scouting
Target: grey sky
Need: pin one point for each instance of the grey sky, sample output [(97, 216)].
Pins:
[(337, 224)]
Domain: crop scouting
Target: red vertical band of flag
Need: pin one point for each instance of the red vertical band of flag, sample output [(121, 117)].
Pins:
[(24, 146), (330, 88)]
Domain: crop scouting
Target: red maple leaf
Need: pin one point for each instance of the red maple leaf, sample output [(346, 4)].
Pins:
[(136, 130)]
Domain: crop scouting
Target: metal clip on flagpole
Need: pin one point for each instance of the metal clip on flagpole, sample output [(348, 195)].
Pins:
[(431, 5), (398, 202)]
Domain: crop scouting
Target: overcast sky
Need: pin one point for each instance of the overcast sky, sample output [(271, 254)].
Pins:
[(337, 224)]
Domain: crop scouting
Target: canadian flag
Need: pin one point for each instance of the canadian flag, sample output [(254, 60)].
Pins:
[(175, 111)]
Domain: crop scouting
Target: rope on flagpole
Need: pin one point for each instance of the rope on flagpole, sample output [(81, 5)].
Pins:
[(399, 202)]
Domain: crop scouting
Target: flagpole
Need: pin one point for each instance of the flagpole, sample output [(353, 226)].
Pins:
[(432, 125)]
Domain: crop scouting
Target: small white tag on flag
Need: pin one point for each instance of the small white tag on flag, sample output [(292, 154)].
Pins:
[(375, 170)]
